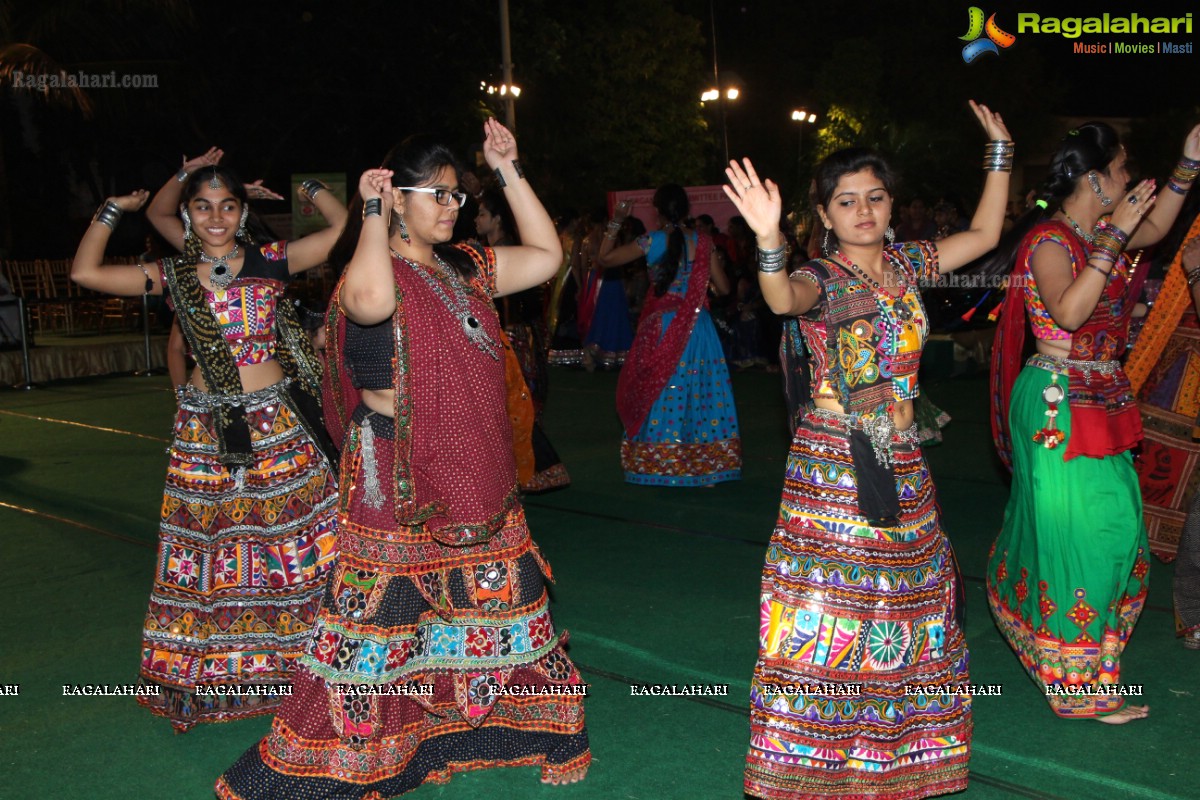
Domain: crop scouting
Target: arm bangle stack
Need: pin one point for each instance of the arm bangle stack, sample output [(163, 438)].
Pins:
[(1110, 241), (108, 214), (612, 229), (312, 187), (1193, 276), (373, 207), (998, 156), (182, 175), (770, 261)]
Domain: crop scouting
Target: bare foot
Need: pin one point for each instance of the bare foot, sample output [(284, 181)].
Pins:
[(1127, 713), (564, 778)]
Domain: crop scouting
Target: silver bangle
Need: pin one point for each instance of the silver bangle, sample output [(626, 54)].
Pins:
[(182, 175), (772, 261), (373, 207), (108, 214), (312, 187)]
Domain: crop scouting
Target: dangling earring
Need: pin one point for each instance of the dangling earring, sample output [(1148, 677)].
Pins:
[(1094, 182), (242, 234), (187, 224), (403, 228), (890, 234), (825, 243)]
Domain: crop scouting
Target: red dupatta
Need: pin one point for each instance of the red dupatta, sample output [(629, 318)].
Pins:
[(1104, 419), (655, 353)]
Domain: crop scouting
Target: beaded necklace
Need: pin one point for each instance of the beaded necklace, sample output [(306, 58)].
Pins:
[(459, 307), (897, 305), (1090, 238)]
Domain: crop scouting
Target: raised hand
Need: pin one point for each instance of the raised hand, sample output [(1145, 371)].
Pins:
[(1191, 145), (256, 191), (756, 200), (132, 201), (991, 122), (1191, 255), (209, 159), (499, 145), (1133, 206), (377, 183)]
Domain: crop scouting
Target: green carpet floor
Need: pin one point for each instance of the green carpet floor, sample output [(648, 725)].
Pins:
[(655, 585)]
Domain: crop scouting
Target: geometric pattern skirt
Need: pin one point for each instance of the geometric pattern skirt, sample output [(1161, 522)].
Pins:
[(1067, 577), (242, 562), (860, 686), (426, 660)]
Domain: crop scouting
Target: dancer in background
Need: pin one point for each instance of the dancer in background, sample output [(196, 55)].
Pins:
[(434, 652), (674, 395), (248, 515), (861, 601), (1066, 579)]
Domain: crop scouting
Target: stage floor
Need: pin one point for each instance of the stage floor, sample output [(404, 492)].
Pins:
[(655, 585)]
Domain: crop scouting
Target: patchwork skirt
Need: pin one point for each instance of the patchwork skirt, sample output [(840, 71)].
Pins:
[(860, 689), (426, 660), (242, 560)]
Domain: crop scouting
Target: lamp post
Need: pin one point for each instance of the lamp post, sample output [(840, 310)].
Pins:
[(722, 97), (803, 118)]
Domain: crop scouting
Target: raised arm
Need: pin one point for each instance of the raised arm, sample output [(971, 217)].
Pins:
[(537, 258), (163, 211), (1071, 298), (87, 268), (609, 254), (1160, 219), (760, 203), (368, 291), (962, 248), (313, 249)]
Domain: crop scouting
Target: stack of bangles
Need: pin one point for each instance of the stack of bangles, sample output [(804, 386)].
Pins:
[(1193, 275), (373, 207), (108, 214), (1185, 172), (1109, 243), (998, 156), (612, 228), (312, 187), (771, 261)]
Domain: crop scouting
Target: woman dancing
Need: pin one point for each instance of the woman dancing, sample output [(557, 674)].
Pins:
[(858, 689), (248, 515), (434, 651), (674, 395), (1066, 578)]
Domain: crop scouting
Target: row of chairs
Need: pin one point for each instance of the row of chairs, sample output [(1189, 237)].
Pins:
[(56, 304)]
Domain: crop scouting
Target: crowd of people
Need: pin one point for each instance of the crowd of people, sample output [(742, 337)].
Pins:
[(343, 505)]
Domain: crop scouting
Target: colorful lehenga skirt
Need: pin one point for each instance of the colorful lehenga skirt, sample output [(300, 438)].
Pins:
[(426, 660), (859, 690), (1067, 577), (690, 437), (242, 562), (610, 334)]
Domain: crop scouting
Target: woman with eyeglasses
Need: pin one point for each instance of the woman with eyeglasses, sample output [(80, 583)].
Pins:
[(434, 651), (248, 516)]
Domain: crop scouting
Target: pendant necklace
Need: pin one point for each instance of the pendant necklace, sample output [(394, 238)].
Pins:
[(1090, 238), (898, 307), (459, 307), (221, 274)]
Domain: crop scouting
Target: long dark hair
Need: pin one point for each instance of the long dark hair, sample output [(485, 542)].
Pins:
[(1088, 148), (414, 161), (847, 162), (672, 204)]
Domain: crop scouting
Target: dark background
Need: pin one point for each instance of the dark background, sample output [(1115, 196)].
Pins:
[(610, 98)]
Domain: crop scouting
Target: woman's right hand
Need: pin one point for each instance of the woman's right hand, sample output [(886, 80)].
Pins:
[(1134, 206), (209, 159), (622, 210), (759, 202), (377, 183)]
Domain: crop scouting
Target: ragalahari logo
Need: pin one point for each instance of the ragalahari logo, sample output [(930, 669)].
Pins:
[(996, 38)]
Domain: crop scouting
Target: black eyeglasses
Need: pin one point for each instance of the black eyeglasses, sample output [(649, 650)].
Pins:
[(442, 196)]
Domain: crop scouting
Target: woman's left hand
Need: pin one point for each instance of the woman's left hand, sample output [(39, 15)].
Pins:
[(1191, 145), (499, 145), (991, 123), (1191, 255), (256, 191)]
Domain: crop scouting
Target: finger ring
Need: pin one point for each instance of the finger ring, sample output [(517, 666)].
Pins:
[(748, 187), (1133, 200)]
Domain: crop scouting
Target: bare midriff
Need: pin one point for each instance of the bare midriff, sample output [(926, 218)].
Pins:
[(254, 376), (902, 412)]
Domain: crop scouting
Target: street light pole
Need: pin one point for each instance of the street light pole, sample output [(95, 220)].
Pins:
[(510, 109), (712, 21)]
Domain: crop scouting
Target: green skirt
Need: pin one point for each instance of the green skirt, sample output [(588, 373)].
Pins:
[(1067, 577)]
